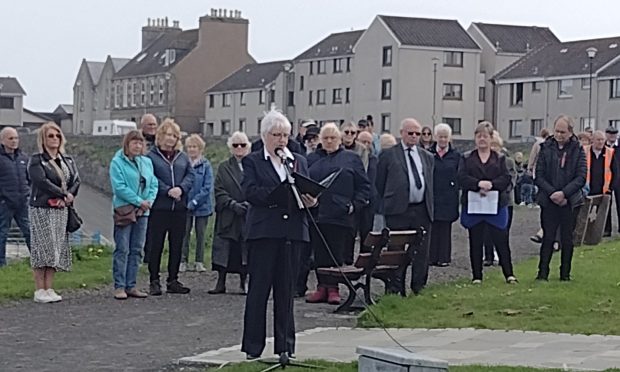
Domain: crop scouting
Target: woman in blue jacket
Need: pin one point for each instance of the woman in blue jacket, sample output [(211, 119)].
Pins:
[(134, 185), (199, 204)]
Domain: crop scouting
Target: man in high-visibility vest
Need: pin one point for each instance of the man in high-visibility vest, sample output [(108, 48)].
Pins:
[(600, 162)]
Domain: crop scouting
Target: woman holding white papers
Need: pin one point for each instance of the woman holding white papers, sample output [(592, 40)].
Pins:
[(485, 182)]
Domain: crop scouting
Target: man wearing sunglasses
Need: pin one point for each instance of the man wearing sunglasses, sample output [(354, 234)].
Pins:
[(14, 188), (405, 186)]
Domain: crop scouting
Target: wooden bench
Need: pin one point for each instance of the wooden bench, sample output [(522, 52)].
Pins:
[(387, 261)]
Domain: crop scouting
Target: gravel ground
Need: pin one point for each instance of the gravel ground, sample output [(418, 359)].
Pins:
[(90, 331)]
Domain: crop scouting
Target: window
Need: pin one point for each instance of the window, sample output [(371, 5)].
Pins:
[(386, 122), (453, 91), (386, 89), (161, 91), (261, 97), (107, 98), (211, 100), (209, 131), (336, 96), (119, 95), (515, 128), (387, 56), (258, 123), (585, 83), (309, 98), (585, 123), (143, 93), (291, 99), (151, 91), (454, 59), (129, 94), (320, 67), (124, 98), (614, 88), (134, 98), (337, 65), (565, 88), (225, 99), (301, 82), (481, 94), (536, 86), (225, 127), (614, 123), (348, 64), (272, 96), (347, 95), (320, 97), (454, 123), (516, 94), (242, 125), (311, 67), (536, 126), (81, 101), (242, 99)]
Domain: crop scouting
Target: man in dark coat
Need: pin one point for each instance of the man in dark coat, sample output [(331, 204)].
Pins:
[(560, 176), (275, 229), (14, 189), (410, 207)]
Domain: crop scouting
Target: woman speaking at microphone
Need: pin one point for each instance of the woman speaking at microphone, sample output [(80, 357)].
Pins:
[(274, 233)]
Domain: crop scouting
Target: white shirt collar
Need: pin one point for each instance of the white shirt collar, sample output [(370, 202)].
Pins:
[(405, 148), (288, 153)]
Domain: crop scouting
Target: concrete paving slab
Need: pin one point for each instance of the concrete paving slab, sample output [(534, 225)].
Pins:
[(457, 346)]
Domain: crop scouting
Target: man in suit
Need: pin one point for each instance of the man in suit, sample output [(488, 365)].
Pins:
[(409, 207), (275, 230)]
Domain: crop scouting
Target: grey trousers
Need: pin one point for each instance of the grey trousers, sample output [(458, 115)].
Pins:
[(201, 226)]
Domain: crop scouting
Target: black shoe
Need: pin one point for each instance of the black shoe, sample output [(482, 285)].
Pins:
[(155, 288), (251, 356), (606, 234), (542, 278), (176, 287), (217, 290), (565, 278), (487, 263), (536, 238)]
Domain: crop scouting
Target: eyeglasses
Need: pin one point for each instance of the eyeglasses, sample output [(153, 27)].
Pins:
[(414, 133), (280, 135), (242, 145), (57, 135), (426, 134), (350, 132)]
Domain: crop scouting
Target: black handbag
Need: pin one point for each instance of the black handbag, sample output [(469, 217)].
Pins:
[(74, 222)]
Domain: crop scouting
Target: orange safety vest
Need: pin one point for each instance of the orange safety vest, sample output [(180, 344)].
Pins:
[(609, 156)]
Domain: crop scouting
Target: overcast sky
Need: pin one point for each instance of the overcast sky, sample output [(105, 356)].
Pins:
[(42, 42)]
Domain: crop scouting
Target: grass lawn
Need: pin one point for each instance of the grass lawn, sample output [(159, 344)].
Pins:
[(91, 268), (587, 305), (352, 367)]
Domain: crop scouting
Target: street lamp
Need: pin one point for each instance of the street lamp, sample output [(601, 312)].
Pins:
[(591, 54), (435, 61)]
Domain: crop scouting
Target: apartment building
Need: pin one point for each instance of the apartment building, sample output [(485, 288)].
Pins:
[(578, 78), (239, 101), (501, 46), (171, 73)]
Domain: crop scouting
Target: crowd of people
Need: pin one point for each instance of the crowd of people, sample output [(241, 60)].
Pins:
[(164, 188)]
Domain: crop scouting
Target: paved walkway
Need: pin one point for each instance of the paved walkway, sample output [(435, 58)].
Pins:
[(456, 346)]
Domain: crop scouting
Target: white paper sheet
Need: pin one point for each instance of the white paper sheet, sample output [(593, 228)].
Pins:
[(482, 204)]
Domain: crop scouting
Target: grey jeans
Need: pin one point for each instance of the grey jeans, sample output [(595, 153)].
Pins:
[(201, 226)]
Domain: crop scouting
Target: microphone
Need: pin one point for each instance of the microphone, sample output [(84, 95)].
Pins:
[(280, 153)]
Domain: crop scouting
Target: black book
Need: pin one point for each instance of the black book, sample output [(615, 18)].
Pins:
[(281, 194)]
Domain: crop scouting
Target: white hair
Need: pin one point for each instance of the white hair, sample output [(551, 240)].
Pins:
[(274, 120), (237, 137), (443, 127)]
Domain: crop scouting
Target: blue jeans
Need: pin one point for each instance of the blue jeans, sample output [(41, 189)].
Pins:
[(7, 214), (527, 193), (128, 241)]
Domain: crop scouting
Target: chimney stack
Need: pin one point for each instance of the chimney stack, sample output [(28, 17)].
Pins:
[(156, 27)]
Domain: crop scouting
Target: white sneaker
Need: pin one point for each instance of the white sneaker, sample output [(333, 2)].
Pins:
[(200, 267), (54, 297), (183, 267), (41, 296), (522, 203)]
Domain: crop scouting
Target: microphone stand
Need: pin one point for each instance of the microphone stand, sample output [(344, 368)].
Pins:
[(284, 358)]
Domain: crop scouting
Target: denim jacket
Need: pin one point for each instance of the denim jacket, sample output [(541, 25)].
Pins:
[(199, 201)]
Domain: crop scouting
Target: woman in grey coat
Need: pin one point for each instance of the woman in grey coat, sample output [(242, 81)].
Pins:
[(229, 254)]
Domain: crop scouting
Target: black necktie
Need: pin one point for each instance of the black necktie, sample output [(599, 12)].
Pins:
[(414, 169)]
